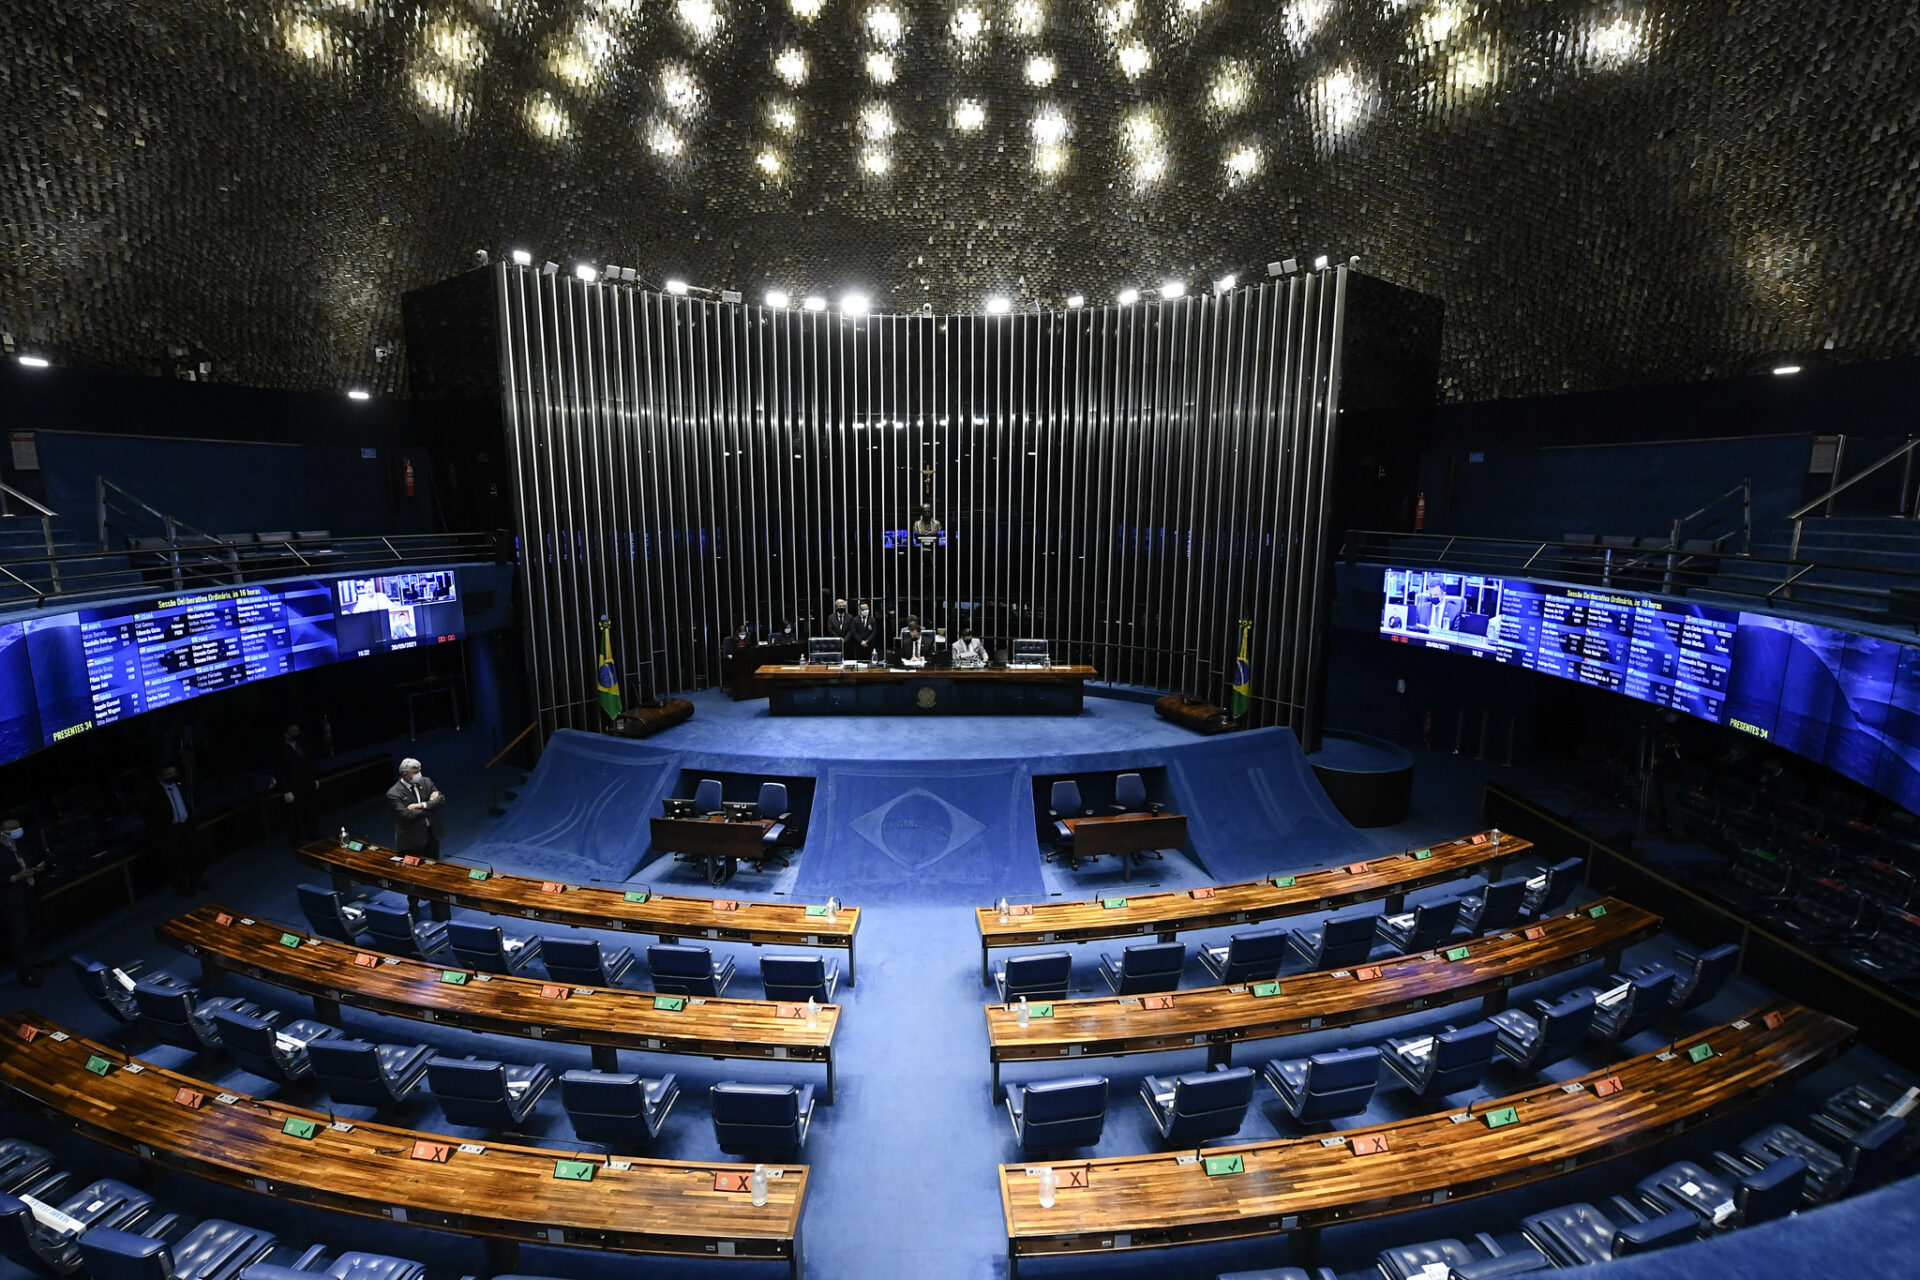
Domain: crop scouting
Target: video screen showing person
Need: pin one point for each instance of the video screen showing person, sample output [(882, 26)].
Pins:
[(1449, 610), (396, 611)]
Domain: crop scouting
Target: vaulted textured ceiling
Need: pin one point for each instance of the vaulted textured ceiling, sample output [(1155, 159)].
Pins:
[(1603, 193)]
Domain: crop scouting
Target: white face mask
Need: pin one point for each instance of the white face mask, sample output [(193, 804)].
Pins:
[(15, 833)]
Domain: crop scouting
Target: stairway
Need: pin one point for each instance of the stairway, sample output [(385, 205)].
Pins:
[(1853, 551)]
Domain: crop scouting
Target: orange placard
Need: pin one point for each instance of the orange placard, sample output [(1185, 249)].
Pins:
[(438, 1152), (223, 918), (1535, 933), (1201, 894), (28, 1032), (366, 961), (726, 904), (1368, 974), (730, 1181), (408, 860), (554, 991), (1370, 1144), (191, 1099), (1357, 869), (1079, 1177), (552, 886), (1480, 839), (1608, 1087), (1771, 1018), (788, 1010), (1020, 909), (1156, 1002)]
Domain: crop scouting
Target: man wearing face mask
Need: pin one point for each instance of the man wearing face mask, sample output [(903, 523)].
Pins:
[(170, 832), (19, 868), (839, 620), (734, 649), (861, 633), (415, 802), (298, 789)]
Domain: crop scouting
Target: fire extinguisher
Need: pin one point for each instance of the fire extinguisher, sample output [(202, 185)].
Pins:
[(406, 475), (1419, 503)]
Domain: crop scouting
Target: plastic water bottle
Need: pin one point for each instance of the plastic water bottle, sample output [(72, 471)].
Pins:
[(833, 910), (757, 1183), (1049, 1183), (343, 835), (1004, 915), (1495, 833), (1020, 1014), (813, 1012)]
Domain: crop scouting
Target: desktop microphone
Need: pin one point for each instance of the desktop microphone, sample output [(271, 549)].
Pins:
[(471, 862)]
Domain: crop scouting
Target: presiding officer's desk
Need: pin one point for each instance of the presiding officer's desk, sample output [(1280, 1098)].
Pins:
[(714, 839), (1124, 836), (587, 907), (506, 1194), (1167, 914), (1215, 1018), (606, 1019), (1299, 1185), (929, 691)]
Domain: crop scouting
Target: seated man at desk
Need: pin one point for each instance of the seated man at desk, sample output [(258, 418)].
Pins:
[(970, 652), (916, 648)]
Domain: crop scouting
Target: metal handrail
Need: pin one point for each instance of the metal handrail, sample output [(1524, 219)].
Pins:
[(1744, 489), (1799, 513), (8, 491), (45, 515)]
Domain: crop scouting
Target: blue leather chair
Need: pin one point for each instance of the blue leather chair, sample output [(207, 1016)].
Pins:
[(392, 928), (1130, 795), (798, 978), (579, 962), (1064, 802), (1189, 1109), (1326, 1086), (708, 796), (1829, 1173), (1578, 1235), (1494, 907), (1420, 929), (332, 913), (1340, 943), (353, 1265), (773, 806), (106, 1203), (684, 970), (1772, 1192), (756, 1119), (1280, 1273), (1543, 1037), (111, 988), (213, 1250), (1630, 1003), (1549, 887), (269, 1050), (362, 1074), (486, 948), (1144, 967), (1434, 1066), (176, 1015), (477, 1093), (616, 1109), (1056, 1115), (1044, 976), (24, 1167), (1457, 1259), (1247, 957), (1701, 976)]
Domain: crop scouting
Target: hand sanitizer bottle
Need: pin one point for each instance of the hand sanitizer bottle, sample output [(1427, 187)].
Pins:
[(758, 1184), (813, 1013), (1004, 915), (343, 835), (1020, 1014), (833, 909), (1049, 1183)]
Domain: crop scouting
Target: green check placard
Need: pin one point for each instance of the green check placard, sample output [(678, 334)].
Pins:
[(1700, 1053), (1221, 1166), (1501, 1117), (632, 895), (295, 1127), (573, 1170), (478, 873), (1264, 989), (670, 1004)]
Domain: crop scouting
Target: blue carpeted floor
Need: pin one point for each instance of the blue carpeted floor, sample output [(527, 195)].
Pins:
[(917, 821)]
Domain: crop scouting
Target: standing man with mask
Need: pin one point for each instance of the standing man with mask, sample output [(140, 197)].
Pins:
[(299, 789), (19, 867), (861, 633), (414, 801), (170, 832), (839, 620)]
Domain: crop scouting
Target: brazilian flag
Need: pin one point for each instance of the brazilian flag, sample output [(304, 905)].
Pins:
[(1243, 671), (609, 678)]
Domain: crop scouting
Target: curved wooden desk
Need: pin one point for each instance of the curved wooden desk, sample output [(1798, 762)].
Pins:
[(606, 1019), (507, 1194), (1166, 915), (1218, 1017), (1299, 1185), (587, 907)]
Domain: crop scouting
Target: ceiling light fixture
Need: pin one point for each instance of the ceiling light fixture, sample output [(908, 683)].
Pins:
[(1225, 284), (806, 10), (1076, 302), (884, 24), (521, 258), (1174, 289), (778, 298), (355, 394), (1041, 70), (1029, 17), (790, 64), (769, 162), (1135, 60), (998, 306), (1320, 263), (969, 116), (585, 273), (853, 304), (880, 68), (815, 302), (678, 288), (1127, 297), (34, 362), (1779, 370)]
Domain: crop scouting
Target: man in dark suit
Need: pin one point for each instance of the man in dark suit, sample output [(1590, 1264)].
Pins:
[(916, 647), (19, 867), (170, 830), (415, 802), (299, 789), (862, 635), (734, 648), (839, 620)]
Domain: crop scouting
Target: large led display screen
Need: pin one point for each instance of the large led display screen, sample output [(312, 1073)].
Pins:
[(68, 673), (1849, 701)]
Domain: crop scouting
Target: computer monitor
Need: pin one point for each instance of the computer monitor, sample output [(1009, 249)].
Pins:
[(678, 808), (1030, 653), (824, 649), (741, 811)]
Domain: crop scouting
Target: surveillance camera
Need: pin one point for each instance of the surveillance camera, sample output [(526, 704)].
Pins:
[(381, 353), (480, 258)]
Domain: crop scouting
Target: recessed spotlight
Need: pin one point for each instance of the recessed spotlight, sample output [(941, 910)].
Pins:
[(1076, 302), (876, 121), (521, 258), (880, 68), (1174, 289), (876, 161), (815, 302), (677, 287), (1041, 70), (790, 64), (969, 116), (701, 19), (351, 395), (664, 140), (778, 298), (680, 90), (1029, 17), (884, 24), (1135, 60), (1780, 370), (769, 162), (34, 362), (806, 10), (853, 304), (998, 306), (1225, 284), (1242, 163), (1320, 263), (969, 24), (586, 273), (1127, 297), (1049, 126)]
